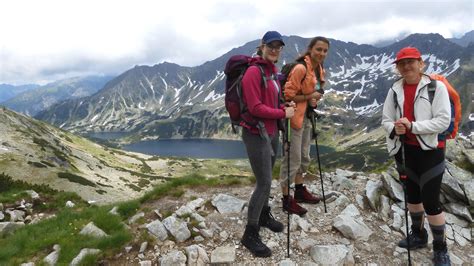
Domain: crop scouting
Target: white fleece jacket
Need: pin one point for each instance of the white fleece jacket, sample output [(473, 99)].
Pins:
[(430, 119)]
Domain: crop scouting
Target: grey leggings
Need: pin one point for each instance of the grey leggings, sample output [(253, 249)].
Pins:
[(262, 161)]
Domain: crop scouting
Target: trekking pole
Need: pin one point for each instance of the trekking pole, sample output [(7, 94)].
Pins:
[(288, 144), (403, 177), (315, 135)]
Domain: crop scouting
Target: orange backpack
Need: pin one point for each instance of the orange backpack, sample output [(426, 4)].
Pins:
[(455, 100)]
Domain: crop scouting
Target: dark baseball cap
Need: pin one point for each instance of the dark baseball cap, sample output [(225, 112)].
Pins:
[(271, 36)]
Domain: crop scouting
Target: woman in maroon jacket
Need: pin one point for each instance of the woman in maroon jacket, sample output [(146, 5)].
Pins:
[(263, 104)]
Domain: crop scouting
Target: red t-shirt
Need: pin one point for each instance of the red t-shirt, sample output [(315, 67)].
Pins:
[(409, 91)]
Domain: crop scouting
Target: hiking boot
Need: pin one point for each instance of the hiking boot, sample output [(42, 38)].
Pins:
[(267, 220), (293, 207), (304, 196), (251, 240), (418, 239), (440, 254)]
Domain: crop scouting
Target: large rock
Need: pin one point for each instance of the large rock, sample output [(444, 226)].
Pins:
[(92, 230), (351, 210), (342, 183), (454, 150), (459, 210), (459, 236), (460, 174), (331, 255), (373, 190), (173, 258), (227, 204), (177, 228), (469, 189), (394, 189), (451, 187), (223, 255), (352, 227), (157, 229), (196, 255), (453, 219)]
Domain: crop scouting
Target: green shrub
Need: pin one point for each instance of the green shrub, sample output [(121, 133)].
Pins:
[(128, 208), (77, 179)]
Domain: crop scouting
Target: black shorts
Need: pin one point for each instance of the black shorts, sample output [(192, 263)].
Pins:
[(425, 171)]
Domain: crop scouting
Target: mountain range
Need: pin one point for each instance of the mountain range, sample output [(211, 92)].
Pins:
[(39, 98), (464, 40), (8, 91), (171, 101)]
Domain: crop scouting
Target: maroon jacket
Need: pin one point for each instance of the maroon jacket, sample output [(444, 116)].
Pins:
[(263, 103)]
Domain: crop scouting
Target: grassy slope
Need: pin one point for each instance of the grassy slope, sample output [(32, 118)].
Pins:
[(35, 241)]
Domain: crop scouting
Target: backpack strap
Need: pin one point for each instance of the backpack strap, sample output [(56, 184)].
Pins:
[(264, 77), (305, 67), (431, 90)]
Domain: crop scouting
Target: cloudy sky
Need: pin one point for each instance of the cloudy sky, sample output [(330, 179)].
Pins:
[(46, 40)]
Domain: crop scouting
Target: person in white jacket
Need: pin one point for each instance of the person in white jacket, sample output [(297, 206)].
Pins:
[(411, 119)]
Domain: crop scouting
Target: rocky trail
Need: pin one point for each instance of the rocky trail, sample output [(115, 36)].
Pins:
[(365, 219), (362, 225)]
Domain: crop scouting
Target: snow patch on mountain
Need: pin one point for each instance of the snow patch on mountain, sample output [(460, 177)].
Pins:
[(213, 96), (151, 85), (216, 77), (95, 118), (164, 83), (368, 109)]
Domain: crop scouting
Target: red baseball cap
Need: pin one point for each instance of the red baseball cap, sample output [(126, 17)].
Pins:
[(407, 52)]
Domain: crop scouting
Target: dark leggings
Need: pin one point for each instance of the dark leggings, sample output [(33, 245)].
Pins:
[(260, 156), (425, 171)]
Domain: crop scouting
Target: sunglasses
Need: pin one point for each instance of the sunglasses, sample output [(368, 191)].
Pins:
[(274, 48)]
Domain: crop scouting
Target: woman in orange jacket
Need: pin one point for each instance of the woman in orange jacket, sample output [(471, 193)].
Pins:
[(304, 87)]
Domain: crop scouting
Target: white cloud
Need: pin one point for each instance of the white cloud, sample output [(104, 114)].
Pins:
[(51, 39)]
